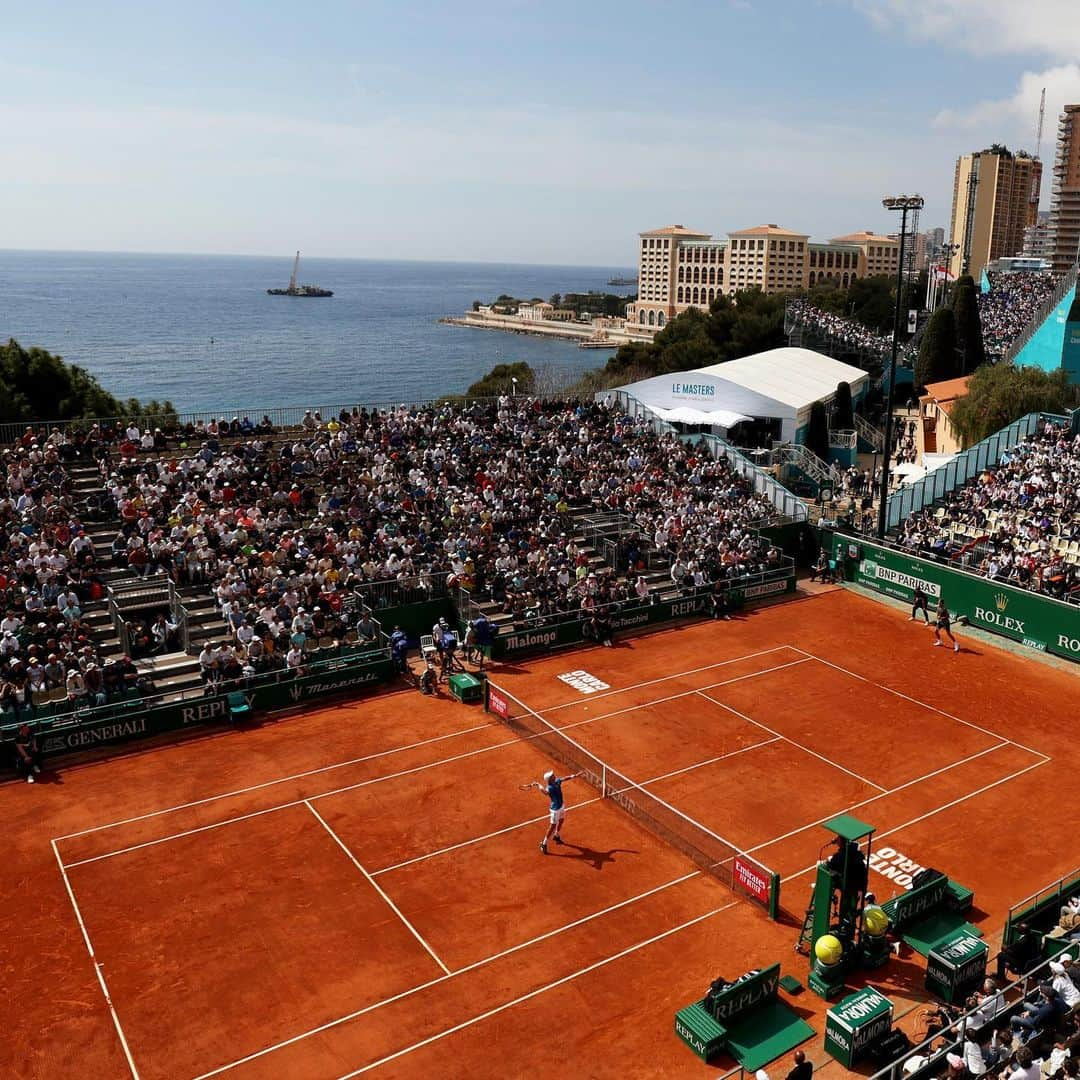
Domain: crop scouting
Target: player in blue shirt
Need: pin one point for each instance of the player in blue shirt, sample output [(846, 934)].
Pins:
[(552, 788)]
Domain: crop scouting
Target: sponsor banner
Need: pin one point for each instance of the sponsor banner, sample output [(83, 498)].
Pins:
[(570, 633), (751, 878), (745, 994), (1036, 621), (132, 723), (497, 704)]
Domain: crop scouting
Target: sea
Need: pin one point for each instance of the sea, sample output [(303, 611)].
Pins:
[(201, 331)]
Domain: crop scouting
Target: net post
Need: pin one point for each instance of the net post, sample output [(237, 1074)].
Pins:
[(603, 782), (774, 896), (487, 694)]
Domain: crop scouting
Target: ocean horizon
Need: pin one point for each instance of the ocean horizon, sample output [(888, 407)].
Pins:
[(201, 331)]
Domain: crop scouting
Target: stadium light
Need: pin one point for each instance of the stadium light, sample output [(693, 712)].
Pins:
[(903, 203)]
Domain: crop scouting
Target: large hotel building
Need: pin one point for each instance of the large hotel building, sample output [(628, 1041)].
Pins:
[(679, 268), (1064, 226)]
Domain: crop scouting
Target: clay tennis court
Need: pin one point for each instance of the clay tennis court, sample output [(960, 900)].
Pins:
[(359, 889)]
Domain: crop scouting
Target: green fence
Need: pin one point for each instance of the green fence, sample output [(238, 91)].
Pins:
[(571, 632), (1039, 622), (129, 720)]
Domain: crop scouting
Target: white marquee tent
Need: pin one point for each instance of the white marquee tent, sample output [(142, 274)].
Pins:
[(781, 384)]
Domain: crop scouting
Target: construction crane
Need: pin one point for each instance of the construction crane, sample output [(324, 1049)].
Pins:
[(1039, 128), (295, 268)]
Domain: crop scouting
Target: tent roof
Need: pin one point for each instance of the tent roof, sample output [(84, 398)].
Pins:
[(795, 377)]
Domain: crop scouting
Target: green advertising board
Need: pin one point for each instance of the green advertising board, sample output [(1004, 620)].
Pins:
[(956, 967), (132, 721), (1036, 621), (557, 635), (853, 1025)]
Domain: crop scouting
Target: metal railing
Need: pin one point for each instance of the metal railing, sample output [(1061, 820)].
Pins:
[(874, 436), (396, 592), (129, 595), (787, 504), (1067, 282), (1059, 891), (937, 484), (323, 660), (287, 416), (952, 1036), (843, 440)]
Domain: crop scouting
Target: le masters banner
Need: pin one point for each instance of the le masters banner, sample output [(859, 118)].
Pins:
[(1036, 621)]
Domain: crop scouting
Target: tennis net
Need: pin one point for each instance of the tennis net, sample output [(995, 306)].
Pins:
[(742, 873)]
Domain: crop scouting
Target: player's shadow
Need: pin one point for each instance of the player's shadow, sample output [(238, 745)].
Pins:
[(596, 859)]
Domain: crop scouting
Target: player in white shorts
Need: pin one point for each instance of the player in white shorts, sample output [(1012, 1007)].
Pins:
[(552, 788)]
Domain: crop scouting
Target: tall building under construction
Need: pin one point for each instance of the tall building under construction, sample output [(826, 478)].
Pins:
[(995, 198)]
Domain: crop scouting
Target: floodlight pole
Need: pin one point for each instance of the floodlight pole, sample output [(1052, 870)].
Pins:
[(903, 203)]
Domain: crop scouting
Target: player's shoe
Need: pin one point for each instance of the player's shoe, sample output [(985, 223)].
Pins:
[(543, 847), (911, 618), (956, 646), (559, 839), (937, 644)]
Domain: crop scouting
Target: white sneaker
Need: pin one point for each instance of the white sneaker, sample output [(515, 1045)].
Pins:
[(956, 646), (37, 769), (937, 644), (30, 778)]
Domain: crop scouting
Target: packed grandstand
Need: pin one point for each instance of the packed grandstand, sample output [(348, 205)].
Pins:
[(1018, 522), (281, 528)]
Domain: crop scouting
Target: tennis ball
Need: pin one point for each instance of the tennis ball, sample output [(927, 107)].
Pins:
[(877, 922), (828, 950)]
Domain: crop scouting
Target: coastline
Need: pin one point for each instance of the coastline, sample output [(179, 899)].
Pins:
[(513, 324)]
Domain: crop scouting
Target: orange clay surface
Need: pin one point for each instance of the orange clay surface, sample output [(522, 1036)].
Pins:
[(358, 889)]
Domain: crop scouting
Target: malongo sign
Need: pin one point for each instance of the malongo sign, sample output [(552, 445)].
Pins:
[(1036, 621)]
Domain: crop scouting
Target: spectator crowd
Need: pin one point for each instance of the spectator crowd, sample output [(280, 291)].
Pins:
[(1009, 307), (282, 526), (1017, 522)]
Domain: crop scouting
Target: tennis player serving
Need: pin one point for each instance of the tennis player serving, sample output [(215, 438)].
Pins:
[(552, 788)]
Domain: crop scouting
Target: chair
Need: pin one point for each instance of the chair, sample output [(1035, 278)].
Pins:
[(427, 647), (238, 706)]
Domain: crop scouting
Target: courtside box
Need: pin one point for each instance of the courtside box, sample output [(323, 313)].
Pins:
[(853, 1025), (955, 968), (705, 1030)]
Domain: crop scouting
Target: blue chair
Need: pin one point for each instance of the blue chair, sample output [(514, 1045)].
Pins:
[(238, 706)]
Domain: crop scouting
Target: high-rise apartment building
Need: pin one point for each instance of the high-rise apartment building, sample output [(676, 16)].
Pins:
[(995, 198), (679, 268), (1064, 228)]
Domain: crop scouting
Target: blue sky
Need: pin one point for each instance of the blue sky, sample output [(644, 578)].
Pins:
[(504, 132)]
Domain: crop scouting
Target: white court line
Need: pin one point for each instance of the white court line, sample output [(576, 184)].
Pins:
[(515, 740), (675, 697), (375, 885), (535, 993), (575, 806), (97, 966), (667, 678), (923, 704), (459, 971), (789, 877), (271, 783), (932, 813), (805, 749), (414, 746), (874, 798)]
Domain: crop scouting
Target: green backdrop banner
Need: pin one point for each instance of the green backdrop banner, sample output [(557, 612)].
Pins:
[(570, 633), (1034, 620), (133, 722)]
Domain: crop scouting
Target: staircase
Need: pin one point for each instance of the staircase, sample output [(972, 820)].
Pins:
[(794, 457), (868, 433)]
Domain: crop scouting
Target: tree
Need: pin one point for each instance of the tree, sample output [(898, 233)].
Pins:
[(499, 380), (748, 323), (37, 385), (843, 418), (937, 358), (969, 333), (817, 431), (555, 300), (998, 394)]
